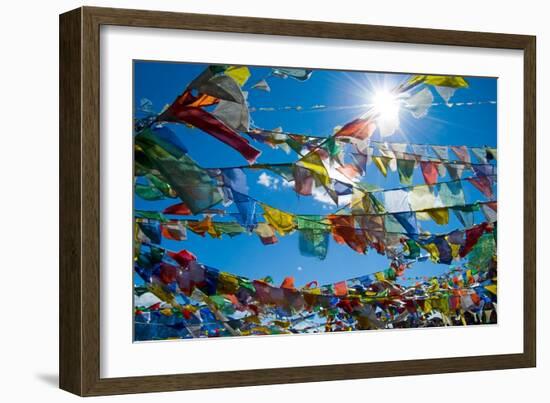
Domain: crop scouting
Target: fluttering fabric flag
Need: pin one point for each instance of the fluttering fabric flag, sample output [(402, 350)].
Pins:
[(472, 236), (465, 214), (178, 209), (175, 231), (422, 198), (419, 103), (451, 194), (483, 184), (170, 140), (191, 183), (396, 201), (480, 154), (359, 129), (247, 210), (455, 170), (313, 162), (382, 164), (283, 223), (208, 123), (240, 74), (344, 231), (313, 240), (406, 170), (152, 230), (429, 172), (420, 150), (303, 181), (439, 215), (462, 153), (485, 170), (235, 179), (489, 211), (262, 85), (440, 81), (442, 152), (233, 114), (265, 233), (219, 86), (148, 192), (298, 74)]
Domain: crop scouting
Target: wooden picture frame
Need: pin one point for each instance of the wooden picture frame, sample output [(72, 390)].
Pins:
[(80, 187)]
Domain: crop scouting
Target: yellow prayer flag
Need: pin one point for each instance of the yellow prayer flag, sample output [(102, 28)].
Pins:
[(313, 162), (431, 248), (439, 81), (281, 221), (455, 249), (439, 215), (382, 164), (492, 288), (427, 306), (238, 73)]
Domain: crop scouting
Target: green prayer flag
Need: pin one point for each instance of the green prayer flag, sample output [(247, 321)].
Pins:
[(406, 170)]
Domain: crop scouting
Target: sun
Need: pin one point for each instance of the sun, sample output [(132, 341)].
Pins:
[(385, 110)]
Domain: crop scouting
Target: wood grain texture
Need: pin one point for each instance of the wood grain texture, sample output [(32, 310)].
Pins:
[(80, 196), (70, 271)]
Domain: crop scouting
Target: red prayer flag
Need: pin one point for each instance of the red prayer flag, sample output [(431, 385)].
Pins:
[(429, 171), (178, 209), (208, 123), (359, 128), (483, 184), (288, 283), (340, 289), (183, 257)]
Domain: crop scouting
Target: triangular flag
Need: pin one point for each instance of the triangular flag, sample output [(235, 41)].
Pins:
[(262, 85), (406, 170), (480, 154), (429, 171), (455, 170), (439, 215), (462, 153), (483, 184), (382, 164), (442, 152)]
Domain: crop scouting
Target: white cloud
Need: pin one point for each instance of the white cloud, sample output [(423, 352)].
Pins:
[(322, 196), (287, 184), (268, 181), (299, 268)]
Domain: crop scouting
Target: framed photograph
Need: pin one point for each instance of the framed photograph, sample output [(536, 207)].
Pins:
[(249, 201)]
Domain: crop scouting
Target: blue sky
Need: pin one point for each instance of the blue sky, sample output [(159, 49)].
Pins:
[(474, 125)]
